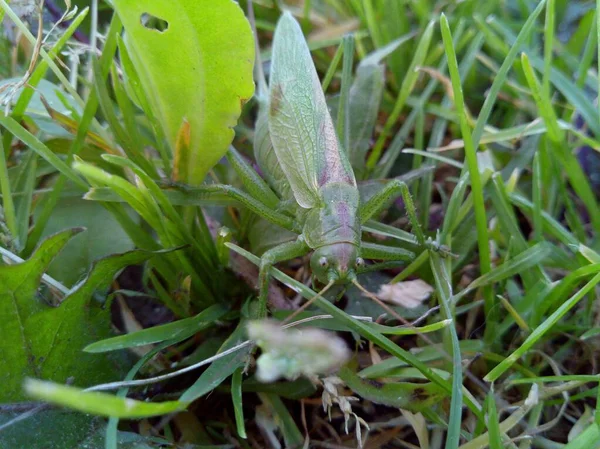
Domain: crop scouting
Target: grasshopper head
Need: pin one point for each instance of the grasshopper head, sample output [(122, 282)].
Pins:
[(336, 262)]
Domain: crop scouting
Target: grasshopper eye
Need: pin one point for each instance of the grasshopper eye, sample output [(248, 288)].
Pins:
[(323, 262), (360, 262)]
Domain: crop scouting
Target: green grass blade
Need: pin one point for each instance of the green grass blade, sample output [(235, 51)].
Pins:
[(570, 164), (588, 439), (110, 441), (527, 259), (543, 101), (598, 45), (561, 290), (493, 423), (335, 61), (236, 396), (551, 225), (564, 84), (508, 221), (291, 434), (538, 207), (343, 116), (372, 24), (406, 88), (96, 403), (566, 378), (36, 145), (410, 330), (453, 209), (539, 331), (7, 197), (444, 287), (514, 419), (473, 168), (222, 368), (435, 157), (25, 182), (548, 46), (175, 332), (502, 74), (393, 151)]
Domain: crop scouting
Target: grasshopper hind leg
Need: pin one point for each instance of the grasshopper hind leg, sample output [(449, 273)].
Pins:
[(384, 197), (280, 253)]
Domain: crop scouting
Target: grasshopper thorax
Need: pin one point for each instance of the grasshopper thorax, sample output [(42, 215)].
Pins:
[(336, 262)]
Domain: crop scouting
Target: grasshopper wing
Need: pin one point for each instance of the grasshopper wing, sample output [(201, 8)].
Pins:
[(301, 128), (267, 159)]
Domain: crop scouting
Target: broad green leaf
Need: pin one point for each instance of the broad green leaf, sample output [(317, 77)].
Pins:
[(197, 67), (104, 236), (77, 431), (97, 403), (46, 342), (39, 431), (177, 331)]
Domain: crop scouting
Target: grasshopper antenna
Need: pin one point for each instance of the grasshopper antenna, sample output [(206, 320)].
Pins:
[(393, 313), (387, 308), (308, 303)]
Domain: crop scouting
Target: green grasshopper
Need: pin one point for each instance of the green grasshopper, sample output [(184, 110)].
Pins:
[(310, 186)]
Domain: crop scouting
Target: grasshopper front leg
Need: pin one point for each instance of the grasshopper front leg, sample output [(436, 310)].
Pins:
[(382, 252), (280, 253)]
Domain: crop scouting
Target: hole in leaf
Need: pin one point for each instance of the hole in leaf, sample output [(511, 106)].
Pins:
[(154, 23)]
